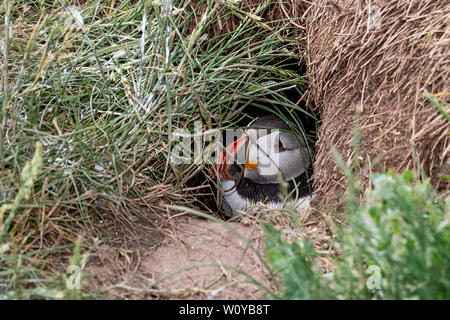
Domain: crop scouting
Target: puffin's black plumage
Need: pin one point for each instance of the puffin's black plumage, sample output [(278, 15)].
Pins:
[(271, 192)]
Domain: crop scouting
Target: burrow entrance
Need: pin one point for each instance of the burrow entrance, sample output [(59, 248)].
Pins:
[(304, 114)]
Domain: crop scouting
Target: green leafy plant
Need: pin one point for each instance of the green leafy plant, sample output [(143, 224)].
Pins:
[(397, 246)]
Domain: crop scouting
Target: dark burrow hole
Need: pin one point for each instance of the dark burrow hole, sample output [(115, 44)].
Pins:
[(251, 111)]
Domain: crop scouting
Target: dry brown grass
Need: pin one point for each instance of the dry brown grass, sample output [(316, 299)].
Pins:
[(383, 73)]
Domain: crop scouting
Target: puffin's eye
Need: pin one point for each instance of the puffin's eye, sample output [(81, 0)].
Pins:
[(280, 146)]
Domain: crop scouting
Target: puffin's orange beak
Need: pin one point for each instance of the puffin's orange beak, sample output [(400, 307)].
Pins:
[(227, 157), (251, 164)]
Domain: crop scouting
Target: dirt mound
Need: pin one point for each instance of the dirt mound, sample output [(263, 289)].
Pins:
[(377, 59)]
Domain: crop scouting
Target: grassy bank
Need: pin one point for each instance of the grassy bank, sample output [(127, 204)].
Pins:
[(102, 87)]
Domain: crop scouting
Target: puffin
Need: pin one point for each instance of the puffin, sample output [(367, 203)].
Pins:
[(268, 164)]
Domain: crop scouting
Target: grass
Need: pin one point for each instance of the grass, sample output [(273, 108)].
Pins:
[(102, 88), (90, 96)]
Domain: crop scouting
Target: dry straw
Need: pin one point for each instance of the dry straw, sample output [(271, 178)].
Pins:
[(378, 58)]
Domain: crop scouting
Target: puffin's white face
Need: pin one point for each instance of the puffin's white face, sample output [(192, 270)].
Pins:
[(272, 154), (265, 155)]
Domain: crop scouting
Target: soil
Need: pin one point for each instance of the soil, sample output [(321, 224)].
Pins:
[(189, 257), (198, 259), (224, 261)]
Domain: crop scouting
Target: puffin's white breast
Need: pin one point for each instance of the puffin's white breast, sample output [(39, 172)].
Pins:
[(233, 202)]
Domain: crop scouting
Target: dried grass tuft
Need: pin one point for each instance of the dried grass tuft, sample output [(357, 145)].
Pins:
[(381, 73)]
